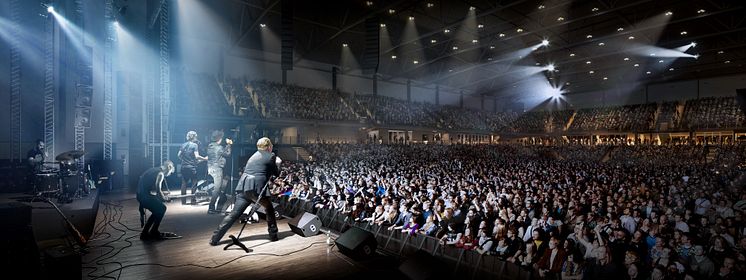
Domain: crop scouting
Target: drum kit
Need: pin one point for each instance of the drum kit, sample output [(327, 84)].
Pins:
[(62, 179)]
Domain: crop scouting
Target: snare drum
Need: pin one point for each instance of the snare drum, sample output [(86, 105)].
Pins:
[(46, 183)]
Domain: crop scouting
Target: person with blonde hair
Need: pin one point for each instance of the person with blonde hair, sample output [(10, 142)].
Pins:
[(259, 169), (189, 156)]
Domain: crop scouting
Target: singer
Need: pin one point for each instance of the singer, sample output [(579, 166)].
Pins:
[(260, 167)]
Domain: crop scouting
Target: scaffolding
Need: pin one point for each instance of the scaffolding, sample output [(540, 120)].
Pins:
[(108, 56), (50, 98), (165, 77), (15, 82), (82, 65), (150, 121)]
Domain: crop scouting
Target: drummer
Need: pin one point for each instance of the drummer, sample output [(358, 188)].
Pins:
[(36, 157)]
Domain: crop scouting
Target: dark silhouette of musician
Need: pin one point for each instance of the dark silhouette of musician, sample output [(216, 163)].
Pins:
[(259, 169), (150, 196), (36, 157)]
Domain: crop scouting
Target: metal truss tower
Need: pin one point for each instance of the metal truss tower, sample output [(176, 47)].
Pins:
[(15, 82), (165, 80), (108, 56), (50, 98), (79, 129)]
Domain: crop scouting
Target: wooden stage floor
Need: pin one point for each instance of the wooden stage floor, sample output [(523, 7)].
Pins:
[(116, 252)]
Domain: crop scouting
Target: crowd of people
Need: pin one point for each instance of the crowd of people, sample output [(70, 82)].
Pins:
[(648, 212), (621, 118), (265, 99), (713, 112)]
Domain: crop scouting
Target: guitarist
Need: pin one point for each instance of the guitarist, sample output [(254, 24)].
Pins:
[(189, 156), (152, 182), (217, 154)]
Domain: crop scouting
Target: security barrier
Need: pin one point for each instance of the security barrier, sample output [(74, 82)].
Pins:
[(463, 263)]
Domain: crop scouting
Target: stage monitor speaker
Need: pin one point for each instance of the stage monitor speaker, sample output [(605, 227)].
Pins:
[(63, 263), (423, 266), (305, 224), (18, 251), (263, 212), (357, 243)]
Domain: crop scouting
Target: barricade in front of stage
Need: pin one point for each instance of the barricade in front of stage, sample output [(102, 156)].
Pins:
[(461, 262)]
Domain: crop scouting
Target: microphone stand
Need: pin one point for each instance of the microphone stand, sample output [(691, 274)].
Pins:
[(235, 239)]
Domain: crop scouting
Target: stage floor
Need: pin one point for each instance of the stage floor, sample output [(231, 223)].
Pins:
[(116, 252)]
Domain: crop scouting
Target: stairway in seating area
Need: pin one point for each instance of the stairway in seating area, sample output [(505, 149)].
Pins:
[(302, 153), (712, 154), (572, 118), (293, 153)]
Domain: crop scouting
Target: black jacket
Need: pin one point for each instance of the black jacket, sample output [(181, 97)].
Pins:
[(260, 166)]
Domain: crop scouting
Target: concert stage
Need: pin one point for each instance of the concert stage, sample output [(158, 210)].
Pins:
[(115, 250)]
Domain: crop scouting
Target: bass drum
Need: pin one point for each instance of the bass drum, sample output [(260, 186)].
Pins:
[(46, 183)]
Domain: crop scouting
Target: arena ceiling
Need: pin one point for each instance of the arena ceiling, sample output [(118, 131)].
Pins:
[(490, 47)]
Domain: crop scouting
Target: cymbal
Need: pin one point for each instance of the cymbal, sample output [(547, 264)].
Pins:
[(70, 155)]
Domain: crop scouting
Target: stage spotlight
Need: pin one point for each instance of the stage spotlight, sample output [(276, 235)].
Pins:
[(262, 25), (50, 9), (696, 56), (545, 42), (669, 13), (344, 45), (549, 67), (693, 44)]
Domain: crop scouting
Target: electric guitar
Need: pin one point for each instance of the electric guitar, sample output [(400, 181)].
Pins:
[(170, 197)]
